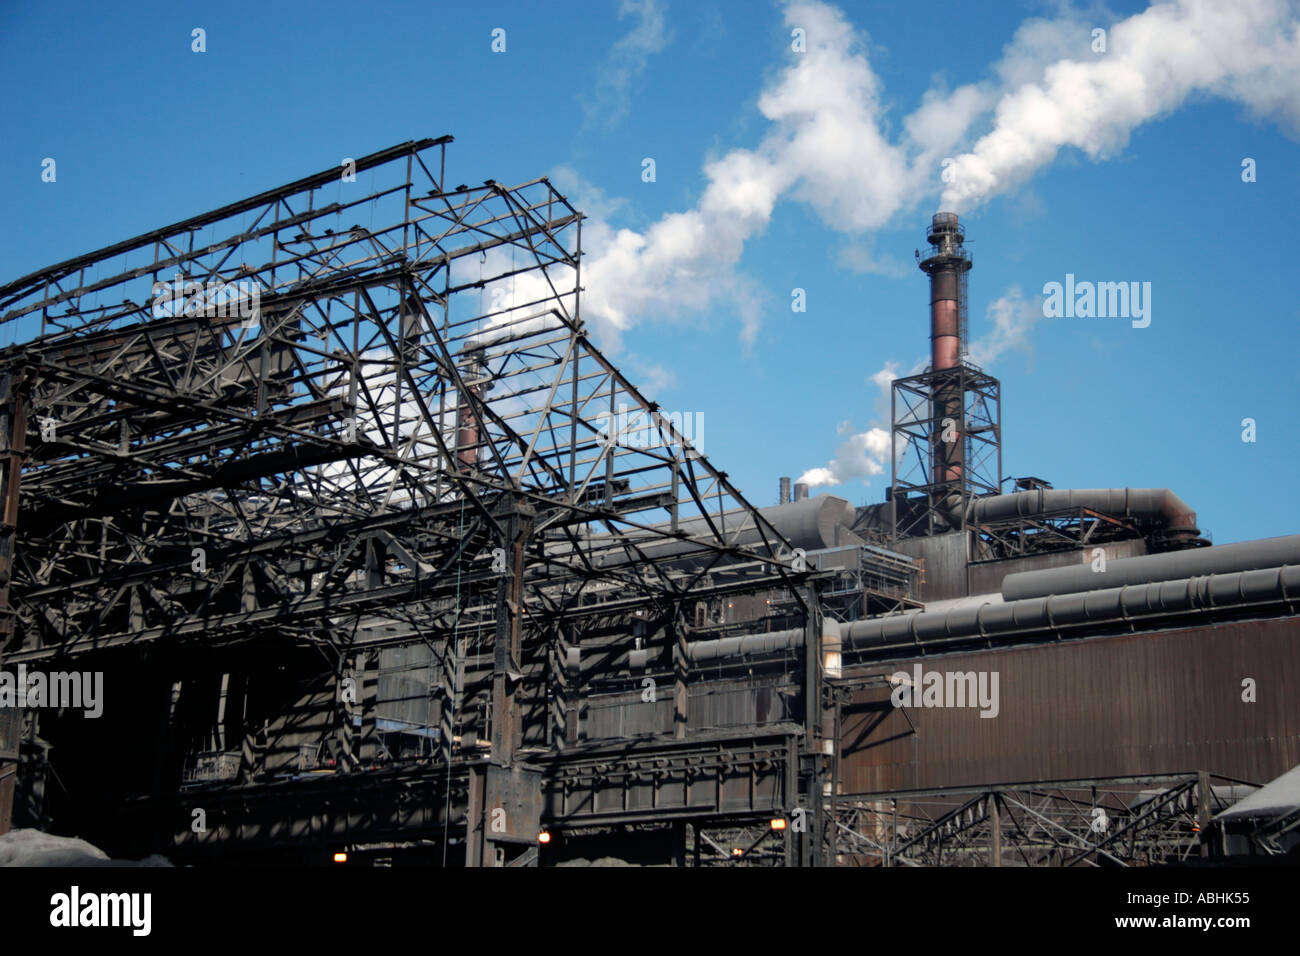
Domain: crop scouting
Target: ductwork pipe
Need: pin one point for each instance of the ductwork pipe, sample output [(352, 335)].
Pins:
[(745, 645), (1153, 600), (899, 632), (1223, 559), (1148, 504), (809, 523)]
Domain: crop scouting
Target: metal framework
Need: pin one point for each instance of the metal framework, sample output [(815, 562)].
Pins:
[(1129, 821), (926, 503), (285, 455), (1065, 530), (375, 550)]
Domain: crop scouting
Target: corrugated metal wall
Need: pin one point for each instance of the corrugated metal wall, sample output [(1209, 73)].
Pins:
[(987, 578), (1160, 702), (945, 564), (947, 574), (716, 705), (404, 694), (10, 728)]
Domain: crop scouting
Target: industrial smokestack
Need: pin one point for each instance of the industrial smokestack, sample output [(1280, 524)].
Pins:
[(473, 372), (947, 264), (785, 492), (800, 490)]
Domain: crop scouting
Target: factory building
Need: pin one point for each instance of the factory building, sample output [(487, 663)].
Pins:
[(383, 572)]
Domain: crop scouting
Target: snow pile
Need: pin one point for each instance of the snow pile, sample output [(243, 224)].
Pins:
[(34, 848)]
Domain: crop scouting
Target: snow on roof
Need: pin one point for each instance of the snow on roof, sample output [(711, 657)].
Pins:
[(34, 848), (1276, 797)]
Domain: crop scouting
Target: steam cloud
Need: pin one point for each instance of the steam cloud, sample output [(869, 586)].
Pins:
[(1047, 91), (866, 454), (1247, 51), (626, 61)]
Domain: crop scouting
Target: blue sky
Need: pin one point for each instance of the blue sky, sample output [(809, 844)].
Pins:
[(808, 170)]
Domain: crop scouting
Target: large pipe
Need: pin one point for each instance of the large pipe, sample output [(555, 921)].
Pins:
[(1147, 504), (808, 523), (745, 645), (901, 633), (1226, 558), (946, 262), (473, 373)]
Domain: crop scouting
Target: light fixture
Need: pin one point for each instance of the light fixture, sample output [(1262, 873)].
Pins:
[(340, 857)]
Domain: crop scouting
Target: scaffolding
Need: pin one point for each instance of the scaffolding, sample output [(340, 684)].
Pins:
[(353, 416), (925, 502)]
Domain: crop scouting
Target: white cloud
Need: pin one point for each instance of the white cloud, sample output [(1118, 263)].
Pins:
[(863, 455), (826, 144), (860, 257), (825, 147), (590, 198), (627, 60), (1012, 318), (884, 379), (824, 133)]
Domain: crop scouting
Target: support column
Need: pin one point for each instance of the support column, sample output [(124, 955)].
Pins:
[(505, 817), (15, 394), (475, 816), (566, 671), (681, 676), (507, 671), (995, 832), (452, 693), (812, 771), (347, 696), (368, 697), (1204, 800)]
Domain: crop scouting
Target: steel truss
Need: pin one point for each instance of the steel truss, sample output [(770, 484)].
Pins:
[(926, 503), (1127, 821), (333, 421), (1064, 530)]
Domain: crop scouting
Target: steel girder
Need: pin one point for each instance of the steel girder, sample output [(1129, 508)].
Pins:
[(342, 450), (1114, 822), (354, 417)]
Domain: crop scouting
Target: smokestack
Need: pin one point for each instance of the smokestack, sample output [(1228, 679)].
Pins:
[(785, 492), (473, 372), (800, 490), (947, 264)]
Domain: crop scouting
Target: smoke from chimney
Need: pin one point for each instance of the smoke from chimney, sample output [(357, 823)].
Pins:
[(1142, 68), (825, 112)]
